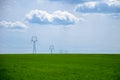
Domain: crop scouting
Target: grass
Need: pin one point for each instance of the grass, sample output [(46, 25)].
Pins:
[(60, 67)]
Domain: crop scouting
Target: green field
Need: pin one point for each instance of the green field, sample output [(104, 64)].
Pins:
[(59, 67)]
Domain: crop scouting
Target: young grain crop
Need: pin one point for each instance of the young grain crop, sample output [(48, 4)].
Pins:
[(59, 67)]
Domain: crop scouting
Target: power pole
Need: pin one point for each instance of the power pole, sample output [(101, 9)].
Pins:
[(34, 40), (51, 48)]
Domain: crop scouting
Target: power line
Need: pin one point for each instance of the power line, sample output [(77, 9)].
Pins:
[(34, 40), (51, 48)]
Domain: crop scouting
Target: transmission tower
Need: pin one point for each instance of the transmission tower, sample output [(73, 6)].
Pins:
[(34, 40), (51, 48)]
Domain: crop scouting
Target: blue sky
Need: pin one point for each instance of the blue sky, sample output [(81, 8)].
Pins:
[(76, 26)]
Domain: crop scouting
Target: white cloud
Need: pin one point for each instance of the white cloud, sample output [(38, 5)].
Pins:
[(12, 25), (116, 2), (56, 18), (113, 2), (104, 6)]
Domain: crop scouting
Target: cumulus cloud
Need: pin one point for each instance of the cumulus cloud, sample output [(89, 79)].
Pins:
[(105, 6), (56, 18), (12, 25)]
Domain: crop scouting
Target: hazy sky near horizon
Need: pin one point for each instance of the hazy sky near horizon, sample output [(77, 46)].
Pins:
[(78, 26)]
